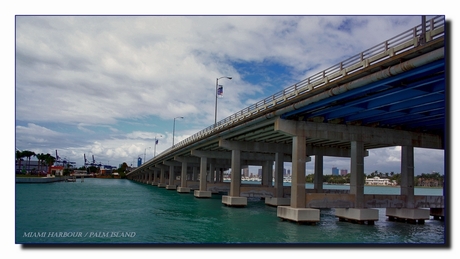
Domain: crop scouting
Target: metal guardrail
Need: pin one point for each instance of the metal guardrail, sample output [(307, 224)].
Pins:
[(401, 43)]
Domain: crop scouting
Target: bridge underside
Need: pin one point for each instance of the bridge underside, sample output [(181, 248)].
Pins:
[(399, 102)]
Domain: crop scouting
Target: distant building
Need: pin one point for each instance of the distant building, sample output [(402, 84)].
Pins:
[(246, 172), (379, 181), (57, 170), (335, 171), (30, 166), (343, 172)]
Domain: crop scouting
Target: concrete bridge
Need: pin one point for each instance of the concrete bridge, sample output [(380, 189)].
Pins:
[(390, 95)]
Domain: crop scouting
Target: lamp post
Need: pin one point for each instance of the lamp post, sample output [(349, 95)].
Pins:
[(217, 84), (174, 127), (155, 146), (144, 154)]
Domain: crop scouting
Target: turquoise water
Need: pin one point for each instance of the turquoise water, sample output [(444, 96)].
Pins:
[(108, 211)]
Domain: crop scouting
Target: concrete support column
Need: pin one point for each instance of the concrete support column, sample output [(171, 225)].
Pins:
[(162, 176), (236, 173), (410, 212), (203, 192), (183, 179), (278, 199), (155, 177), (318, 179), (194, 173), (279, 170), (407, 175), (172, 176), (171, 185), (233, 198), (183, 175), (217, 172), (298, 172), (203, 173), (150, 178), (357, 172), (267, 173), (211, 173)]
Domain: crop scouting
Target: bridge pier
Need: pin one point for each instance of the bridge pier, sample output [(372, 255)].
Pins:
[(171, 185), (183, 179), (234, 199), (297, 211), (162, 181), (408, 215), (278, 199), (203, 192)]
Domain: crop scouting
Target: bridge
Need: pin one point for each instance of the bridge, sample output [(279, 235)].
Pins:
[(393, 94)]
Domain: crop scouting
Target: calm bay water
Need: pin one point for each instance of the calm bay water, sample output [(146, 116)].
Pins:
[(108, 211)]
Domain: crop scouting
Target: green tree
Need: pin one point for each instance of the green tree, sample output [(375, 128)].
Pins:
[(122, 170), (28, 154), (41, 159), (19, 156), (49, 161)]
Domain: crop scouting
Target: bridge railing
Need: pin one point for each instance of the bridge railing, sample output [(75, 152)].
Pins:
[(405, 41)]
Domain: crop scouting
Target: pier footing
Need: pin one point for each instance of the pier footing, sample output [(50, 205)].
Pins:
[(437, 213), (274, 201), (183, 189), (360, 216), (202, 194), (412, 216), (171, 187), (299, 215), (235, 201), (161, 185)]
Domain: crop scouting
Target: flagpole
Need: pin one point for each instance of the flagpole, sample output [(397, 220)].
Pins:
[(155, 146), (217, 84)]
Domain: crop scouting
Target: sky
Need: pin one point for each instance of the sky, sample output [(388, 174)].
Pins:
[(108, 86)]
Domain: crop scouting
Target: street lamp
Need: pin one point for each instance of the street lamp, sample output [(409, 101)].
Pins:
[(155, 147), (144, 154), (217, 84), (174, 127)]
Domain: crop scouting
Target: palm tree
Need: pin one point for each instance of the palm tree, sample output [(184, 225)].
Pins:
[(41, 158), (49, 161), (28, 154), (19, 157)]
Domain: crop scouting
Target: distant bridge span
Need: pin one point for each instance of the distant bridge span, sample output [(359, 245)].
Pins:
[(393, 94)]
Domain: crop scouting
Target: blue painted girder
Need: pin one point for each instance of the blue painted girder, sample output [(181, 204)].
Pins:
[(412, 100)]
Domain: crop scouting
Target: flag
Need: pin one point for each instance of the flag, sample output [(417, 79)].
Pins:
[(156, 141), (220, 91)]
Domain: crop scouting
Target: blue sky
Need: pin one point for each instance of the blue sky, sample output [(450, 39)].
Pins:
[(106, 86)]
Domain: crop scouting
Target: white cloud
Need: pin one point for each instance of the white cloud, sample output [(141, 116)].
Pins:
[(102, 79)]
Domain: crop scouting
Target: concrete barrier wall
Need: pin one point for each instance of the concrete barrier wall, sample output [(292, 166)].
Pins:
[(336, 200), (329, 200)]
